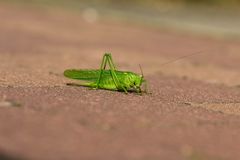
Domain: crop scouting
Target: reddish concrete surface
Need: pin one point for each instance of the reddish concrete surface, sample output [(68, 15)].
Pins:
[(192, 112)]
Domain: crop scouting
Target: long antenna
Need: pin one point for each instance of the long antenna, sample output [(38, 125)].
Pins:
[(141, 70), (183, 57)]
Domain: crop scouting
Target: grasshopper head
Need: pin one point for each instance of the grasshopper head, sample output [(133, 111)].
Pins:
[(137, 84), (139, 80)]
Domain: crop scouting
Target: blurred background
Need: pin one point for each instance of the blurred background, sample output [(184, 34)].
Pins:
[(214, 17)]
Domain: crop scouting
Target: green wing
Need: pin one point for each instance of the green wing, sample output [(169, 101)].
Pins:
[(86, 75), (91, 75)]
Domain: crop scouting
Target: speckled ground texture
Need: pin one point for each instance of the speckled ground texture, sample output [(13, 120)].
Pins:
[(192, 112)]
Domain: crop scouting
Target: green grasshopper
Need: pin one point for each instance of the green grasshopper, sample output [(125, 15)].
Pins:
[(110, 79)]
